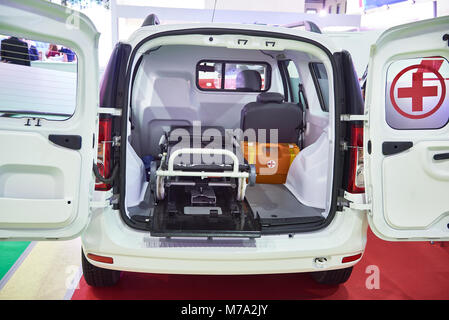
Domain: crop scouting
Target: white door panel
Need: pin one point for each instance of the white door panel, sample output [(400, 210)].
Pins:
[(408, 110), (429, 185), (45, 186), (38, 182)]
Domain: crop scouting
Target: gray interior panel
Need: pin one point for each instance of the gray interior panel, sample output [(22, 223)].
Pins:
[(165, 93)]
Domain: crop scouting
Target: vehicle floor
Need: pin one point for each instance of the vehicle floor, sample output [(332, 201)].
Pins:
[(275, 203)]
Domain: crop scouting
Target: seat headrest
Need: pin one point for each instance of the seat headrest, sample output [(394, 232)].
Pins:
[(266, 97), (248, 80)]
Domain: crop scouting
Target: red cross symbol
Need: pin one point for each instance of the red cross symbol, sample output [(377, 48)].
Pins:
[(271, 164), (417, 91)]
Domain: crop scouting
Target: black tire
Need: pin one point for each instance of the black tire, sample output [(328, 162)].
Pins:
[(332, 277), (98, 277)]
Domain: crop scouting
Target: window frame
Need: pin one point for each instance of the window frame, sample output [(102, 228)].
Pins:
[(223, 75), (317, 86)]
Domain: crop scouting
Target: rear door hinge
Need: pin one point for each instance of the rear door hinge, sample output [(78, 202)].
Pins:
[(344, 145), (111, 111), (114, 199), (355, 201), (116, 141), (353, 117)]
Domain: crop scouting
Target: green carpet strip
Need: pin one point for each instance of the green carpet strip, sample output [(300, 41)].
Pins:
[(10, 251)]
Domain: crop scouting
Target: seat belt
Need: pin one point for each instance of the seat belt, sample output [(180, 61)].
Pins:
[(303, 109)]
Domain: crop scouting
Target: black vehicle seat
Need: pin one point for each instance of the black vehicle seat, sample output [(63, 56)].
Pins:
[(271, 112), (248, 80)]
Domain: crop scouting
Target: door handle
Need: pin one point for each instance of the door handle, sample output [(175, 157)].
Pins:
[(441, 156), (67, 141), (393, 147)]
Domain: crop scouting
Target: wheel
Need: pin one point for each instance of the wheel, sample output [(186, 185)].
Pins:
[(241, 189), (160, 188), (332, 277), (153, 176), (252, 175), (98, 277)]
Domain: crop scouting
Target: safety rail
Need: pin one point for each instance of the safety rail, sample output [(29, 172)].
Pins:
[(234, 174)]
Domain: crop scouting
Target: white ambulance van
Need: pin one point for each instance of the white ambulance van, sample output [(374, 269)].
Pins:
[(282, 165)]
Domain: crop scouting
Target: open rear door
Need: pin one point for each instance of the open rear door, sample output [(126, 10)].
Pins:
[(48, 117), (407, 132)]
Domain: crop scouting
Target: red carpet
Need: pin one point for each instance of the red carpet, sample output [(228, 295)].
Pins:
[(412, 270)]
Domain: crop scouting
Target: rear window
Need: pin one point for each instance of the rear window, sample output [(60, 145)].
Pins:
[(416, 93), (37, 79), (233, 76), (320, 78)]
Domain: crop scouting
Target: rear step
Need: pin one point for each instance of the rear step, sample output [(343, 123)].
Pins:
[(176, 216)]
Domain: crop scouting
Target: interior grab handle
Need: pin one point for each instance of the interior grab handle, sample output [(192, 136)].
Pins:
[(441, 156)]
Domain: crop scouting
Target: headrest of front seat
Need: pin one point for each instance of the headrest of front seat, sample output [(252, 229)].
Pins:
[(248, 80), (266, 97)]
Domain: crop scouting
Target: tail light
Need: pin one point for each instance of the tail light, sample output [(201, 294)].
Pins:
[(356, 177), (100, 258), (351, 258), (104, 152)]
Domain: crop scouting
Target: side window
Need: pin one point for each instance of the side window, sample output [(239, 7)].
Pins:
[(37, 79), (293, 78), (416, 92), (233, 76), (320, 79), (293, 86)]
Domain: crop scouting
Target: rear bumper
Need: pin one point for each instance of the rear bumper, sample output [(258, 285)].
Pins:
[(132, 250)]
